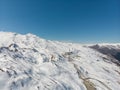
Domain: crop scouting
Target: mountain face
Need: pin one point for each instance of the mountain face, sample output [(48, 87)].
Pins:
[(112, 51), (28, 62)]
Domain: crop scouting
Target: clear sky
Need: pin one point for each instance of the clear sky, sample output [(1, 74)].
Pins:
[(84, 21)]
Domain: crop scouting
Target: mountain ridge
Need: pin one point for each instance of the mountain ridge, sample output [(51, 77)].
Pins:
[(28, 62)]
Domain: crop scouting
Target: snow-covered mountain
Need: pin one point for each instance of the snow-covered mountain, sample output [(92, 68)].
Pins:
[(28, 62)]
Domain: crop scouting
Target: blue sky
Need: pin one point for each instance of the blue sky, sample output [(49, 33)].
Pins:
[(85, 21)]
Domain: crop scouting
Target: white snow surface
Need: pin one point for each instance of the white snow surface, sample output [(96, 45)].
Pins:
[(28, 62)]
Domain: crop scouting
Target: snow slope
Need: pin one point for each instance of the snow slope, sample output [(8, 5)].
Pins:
[(28, 62)]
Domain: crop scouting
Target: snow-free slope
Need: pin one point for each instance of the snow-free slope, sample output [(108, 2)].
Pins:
[(28, 62)]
